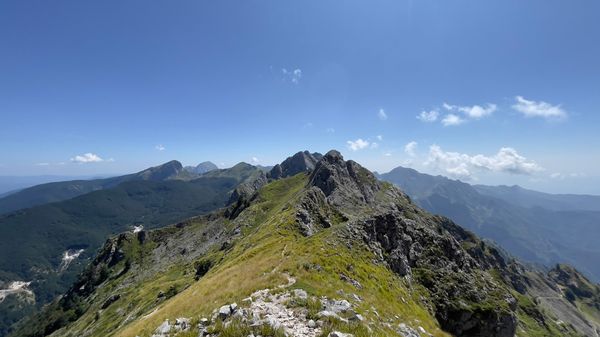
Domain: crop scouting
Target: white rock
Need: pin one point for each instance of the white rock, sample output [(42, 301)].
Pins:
[(339, 334), (274, 323), (164, 328), (300, 293), (406, 331), (339, 306), (326, 313), (357, 317), (238, 314), (312, 324), (224, 311)]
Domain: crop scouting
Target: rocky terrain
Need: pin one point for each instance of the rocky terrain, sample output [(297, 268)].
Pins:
[(316, 247)]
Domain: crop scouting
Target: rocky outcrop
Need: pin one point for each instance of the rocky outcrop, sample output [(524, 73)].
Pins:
[(314, 212), (242, 195), (466, 300), (573, 282), (300, 162), (345, 184)]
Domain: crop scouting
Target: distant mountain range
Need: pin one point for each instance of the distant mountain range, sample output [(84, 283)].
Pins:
[(72, 219), (12, 184), (63, 190), (519, 196), (537, 227)]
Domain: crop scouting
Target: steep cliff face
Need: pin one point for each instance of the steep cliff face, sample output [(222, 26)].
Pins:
[(327, 251)]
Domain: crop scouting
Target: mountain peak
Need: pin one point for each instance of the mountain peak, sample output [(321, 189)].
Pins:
[(165, 171), (333, 155), (202, 168), (344, 183), (302, 161)]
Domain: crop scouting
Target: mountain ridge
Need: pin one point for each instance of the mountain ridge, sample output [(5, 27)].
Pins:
[(64, 190), (344, 249)]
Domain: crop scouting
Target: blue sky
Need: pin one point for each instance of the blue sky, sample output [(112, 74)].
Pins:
[(136, 83)]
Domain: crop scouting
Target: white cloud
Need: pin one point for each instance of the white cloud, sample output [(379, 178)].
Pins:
[(358, 144), (330, 130), (255, 160), (87, 158), (507, 160), (538, 109), (452, 120), (159, 147), (380, 138), (42, 164), (374, 145), (461, 171), (428, 116), (296, 75), (410, 148), (293, 75), (475, 111), (382, 115), (387, 154)]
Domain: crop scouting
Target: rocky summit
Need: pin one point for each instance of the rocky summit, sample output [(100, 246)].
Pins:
[(318, 246)]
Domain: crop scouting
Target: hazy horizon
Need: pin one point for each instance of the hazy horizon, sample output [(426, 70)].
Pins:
[(566, 188)]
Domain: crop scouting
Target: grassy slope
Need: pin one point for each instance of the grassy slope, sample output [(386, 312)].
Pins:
[(33, 240), (38, 236), (271, 251)]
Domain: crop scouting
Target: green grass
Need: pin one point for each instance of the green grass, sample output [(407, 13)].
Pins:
[(357, 329), (238, 328)]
